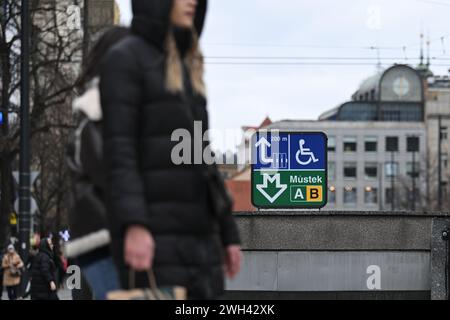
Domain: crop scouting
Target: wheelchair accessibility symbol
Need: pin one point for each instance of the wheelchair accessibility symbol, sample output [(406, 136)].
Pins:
[(305, 156)]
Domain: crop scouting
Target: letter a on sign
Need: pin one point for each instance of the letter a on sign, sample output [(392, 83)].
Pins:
[(299, 194)]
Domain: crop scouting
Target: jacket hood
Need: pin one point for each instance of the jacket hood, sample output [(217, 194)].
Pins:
[(151, 19)]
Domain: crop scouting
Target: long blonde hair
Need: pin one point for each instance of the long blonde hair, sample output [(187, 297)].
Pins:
[(194, 63)]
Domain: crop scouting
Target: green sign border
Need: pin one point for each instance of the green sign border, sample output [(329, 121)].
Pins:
[(300, 205)]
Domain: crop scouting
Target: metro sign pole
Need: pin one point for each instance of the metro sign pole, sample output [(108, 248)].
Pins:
[(24, 166)]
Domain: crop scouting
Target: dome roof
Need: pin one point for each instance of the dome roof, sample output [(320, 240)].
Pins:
[(369, 84)]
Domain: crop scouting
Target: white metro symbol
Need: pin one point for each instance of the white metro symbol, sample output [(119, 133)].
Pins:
[(305, 152)]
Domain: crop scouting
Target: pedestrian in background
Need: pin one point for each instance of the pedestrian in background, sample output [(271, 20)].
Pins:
[(12, 265), (43, 274), (90, 238), (1, 274), (174, 219), (58, 259), (34, 250)]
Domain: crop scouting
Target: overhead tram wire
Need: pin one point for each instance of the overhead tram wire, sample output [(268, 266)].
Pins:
[(439, 3), (332, 61), (313, 46), (286, 63), (291, 63), (314, 58), (313, 61), (403, 48)]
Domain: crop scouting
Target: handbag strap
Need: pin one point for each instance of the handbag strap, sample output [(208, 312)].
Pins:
[(150, 276), (152, 283)]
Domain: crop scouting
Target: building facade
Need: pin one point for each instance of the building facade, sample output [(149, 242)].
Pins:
[(370, 164), (101, 14), (378, 150), (437, 119)]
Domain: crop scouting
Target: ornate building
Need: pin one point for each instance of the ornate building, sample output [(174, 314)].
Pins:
[(101, 14)]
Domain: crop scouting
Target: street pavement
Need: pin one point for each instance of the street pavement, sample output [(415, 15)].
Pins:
[(64, 294)]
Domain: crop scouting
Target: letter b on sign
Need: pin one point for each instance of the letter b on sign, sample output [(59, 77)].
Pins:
[(314, 194)]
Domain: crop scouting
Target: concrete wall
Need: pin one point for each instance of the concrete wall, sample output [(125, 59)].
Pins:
[(303, 251)]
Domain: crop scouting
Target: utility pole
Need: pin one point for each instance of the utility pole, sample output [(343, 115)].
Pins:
[(392, 182), (5, 161), (413, 200), (392, 146), (380, 187), (440, 163), (413, 146), (5, 95), (24, 166)]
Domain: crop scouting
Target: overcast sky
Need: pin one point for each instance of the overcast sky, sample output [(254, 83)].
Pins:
[(245, 91)]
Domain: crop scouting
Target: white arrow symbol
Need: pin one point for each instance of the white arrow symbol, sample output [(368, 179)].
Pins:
[(264, 145), (275, 178)]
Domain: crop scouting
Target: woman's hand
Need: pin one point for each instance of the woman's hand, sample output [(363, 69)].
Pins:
[(52, 286), (233, 258), (139, 248)]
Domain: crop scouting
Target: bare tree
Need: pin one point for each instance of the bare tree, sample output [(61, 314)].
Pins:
[(426, 194), (56, 52)]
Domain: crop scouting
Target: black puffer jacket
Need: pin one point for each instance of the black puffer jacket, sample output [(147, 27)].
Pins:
[(43, 273), (144, 186)]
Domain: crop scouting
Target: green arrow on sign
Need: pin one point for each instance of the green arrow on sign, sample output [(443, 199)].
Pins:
[(264, 187)]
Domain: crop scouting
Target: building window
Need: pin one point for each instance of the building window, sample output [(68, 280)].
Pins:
[(370, 144), (371, 170), (331, 144), (350, 170), (331, 171), (391, 115), (370, 195), (391, 169), (409, 169), (391, 144), (412, 144), (444, 133), (372, 94), (350, 196), (388, 195), (349, 144), (332, 195)]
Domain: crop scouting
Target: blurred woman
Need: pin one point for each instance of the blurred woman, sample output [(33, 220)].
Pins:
[(12, 265), (172, 218), (90, 239)]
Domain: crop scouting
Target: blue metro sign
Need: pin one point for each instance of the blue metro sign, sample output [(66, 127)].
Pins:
[(289, 169)]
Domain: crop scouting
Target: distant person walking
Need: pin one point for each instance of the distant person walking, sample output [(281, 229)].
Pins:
[(173, 218), (1, 275), (43, 274), (12, 265)]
